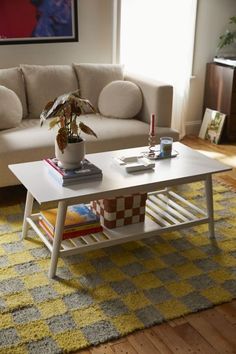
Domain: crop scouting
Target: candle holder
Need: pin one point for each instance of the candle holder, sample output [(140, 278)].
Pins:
[(151, 145)]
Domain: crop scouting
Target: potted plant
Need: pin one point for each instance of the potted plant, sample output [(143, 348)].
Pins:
[(227, 40), (65, 110)]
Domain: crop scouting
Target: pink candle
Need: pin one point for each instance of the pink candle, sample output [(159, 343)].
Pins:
[(152, 124)]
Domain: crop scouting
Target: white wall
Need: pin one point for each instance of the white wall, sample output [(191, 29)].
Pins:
[(212, 21), (95, 41)]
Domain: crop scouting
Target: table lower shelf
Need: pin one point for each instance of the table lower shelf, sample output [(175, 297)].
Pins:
[(165, 210)]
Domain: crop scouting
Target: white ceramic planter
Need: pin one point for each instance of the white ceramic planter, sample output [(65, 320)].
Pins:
[(72, 156)]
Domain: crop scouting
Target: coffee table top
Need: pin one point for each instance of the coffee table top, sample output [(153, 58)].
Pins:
[(188, 166)]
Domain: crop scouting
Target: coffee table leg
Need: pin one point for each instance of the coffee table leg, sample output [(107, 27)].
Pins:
[(209, 201), (27, 213), (60, 221)]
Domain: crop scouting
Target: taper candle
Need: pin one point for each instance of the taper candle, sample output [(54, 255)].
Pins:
[(152, 124)]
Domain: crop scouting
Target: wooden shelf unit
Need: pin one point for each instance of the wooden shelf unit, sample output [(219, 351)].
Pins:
[(220, 95)]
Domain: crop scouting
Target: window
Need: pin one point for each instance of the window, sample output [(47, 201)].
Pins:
[(157, 40)]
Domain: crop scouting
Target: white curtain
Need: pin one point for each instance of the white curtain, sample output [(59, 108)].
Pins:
[(157, 40)]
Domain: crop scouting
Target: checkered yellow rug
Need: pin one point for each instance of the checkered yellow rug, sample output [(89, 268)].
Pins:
[(108, 293)]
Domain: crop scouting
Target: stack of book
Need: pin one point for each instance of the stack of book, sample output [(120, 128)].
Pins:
[(87, 172), (80, 221)]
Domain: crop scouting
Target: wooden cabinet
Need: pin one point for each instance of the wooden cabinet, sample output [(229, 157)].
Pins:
[(220, 94)]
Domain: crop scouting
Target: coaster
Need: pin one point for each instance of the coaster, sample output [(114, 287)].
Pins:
[(155, 155)]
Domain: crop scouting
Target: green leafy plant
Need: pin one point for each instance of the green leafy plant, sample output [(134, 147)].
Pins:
[(65, 111), (229, 37)]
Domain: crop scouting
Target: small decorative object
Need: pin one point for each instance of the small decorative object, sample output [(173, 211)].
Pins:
[(226, 46), (69, 146), (212, 126), (134, 163), (152, 136), (166, 146)]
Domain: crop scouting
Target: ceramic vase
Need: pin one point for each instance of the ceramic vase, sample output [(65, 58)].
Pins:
[(72, 156)]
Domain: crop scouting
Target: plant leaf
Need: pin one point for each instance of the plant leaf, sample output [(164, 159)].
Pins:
[(62, 139), (85, 129), (74, 127), (232, 20), (43, 115), (82, 103), (54, 122)]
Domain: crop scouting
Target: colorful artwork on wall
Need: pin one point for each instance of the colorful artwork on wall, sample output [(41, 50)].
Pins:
[(38, 21)]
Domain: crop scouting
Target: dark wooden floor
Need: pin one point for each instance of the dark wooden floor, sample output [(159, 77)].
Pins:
[(210, 331)]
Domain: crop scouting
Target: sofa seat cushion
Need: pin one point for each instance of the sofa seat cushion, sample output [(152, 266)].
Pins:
[(12, 78), (115, 134), (45, 83), (120, 99), (93, 77), (10, 108), (112, 133), (28, 135)]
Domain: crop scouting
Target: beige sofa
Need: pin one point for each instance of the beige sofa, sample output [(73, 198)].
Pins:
[(35, 85)]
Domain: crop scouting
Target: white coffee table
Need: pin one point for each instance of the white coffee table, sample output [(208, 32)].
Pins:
[(170, 210)]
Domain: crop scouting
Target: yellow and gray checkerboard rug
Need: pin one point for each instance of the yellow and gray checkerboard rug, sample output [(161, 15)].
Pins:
[(108, 293)]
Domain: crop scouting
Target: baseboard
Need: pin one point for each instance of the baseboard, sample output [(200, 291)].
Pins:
[(193, 127)]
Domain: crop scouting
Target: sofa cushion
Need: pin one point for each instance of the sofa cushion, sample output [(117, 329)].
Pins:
[(93, 77), (10, 108), (45, 83), (115, 134), (120, 99), (12, 78)]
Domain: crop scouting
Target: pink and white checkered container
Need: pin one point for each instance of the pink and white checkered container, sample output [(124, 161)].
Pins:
[(120, 211)]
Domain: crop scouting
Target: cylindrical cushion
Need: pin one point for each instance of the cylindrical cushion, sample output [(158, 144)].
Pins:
[(120, 99), (11, 110), (12, 78)]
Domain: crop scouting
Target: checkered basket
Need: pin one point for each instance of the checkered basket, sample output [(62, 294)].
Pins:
[(120, 211)]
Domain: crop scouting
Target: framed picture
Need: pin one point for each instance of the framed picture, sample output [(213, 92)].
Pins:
[(38, 21), (212, 125)]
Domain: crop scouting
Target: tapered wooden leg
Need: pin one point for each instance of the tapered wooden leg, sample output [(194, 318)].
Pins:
[(210, 208), (59, 228), (27, 213)]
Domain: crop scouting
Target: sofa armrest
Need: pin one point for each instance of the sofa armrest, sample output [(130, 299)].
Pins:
[(157, 99)]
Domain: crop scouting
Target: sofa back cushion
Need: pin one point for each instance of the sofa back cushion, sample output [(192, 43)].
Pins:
[(12, 79), (45, 83), (94, 77)]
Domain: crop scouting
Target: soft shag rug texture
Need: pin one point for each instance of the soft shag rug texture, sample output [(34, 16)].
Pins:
[(106, 294)]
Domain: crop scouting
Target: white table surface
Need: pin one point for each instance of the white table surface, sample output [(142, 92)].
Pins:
[(188, 165)]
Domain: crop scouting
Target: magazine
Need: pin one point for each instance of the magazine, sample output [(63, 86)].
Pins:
[(212, 125)]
